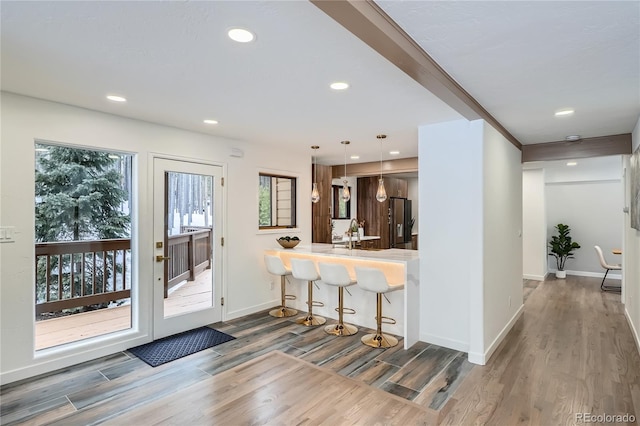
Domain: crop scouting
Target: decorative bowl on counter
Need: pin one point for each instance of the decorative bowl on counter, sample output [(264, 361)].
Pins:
[(288, 242)]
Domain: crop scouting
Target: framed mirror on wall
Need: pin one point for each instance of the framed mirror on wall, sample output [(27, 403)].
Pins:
[(340, 209)]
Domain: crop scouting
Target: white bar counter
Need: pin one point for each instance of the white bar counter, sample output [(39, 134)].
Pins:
[(399, 266)]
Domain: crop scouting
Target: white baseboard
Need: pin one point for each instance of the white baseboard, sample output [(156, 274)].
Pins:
[(533, 277), (443, 341), (482, 358), (591, 274), (251, 310), (634, 331)]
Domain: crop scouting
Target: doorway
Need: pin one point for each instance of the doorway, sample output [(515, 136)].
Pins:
[(187, 223)]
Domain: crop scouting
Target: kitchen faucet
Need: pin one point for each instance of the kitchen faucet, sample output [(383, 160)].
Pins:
[(350, 232)]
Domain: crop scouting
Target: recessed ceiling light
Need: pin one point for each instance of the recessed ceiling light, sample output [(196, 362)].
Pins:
[(572, 163), (572, 138), (394, 152), (240, 35), (355, 157), (116, 98), (339, 85), (563, 112), (210, 121)]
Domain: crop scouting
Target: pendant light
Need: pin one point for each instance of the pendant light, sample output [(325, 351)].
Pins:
[(346, 196), (315, 195), (381, 195)]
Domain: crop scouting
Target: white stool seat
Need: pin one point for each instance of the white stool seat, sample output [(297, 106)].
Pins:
[(374, 280), (275, 266), (337, 275), (305, 269)]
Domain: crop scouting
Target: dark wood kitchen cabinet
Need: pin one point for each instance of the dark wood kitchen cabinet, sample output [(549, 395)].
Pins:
[(321, 211), (374, 213)]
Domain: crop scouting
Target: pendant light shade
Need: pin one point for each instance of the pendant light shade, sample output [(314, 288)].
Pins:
[(345, 195), (381, 195), (315, 194)]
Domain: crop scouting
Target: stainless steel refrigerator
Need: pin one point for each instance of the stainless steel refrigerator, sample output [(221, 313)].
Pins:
[(399, 223)]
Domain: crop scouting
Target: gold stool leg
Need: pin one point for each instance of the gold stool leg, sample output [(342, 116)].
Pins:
[(283, 311), (341, 329), (379, 340), (311, 320)]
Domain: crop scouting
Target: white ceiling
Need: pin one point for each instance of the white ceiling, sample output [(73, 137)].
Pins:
[(175, 64), (524, 60)]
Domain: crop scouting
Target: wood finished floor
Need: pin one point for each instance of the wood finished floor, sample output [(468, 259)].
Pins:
[(571, 352)]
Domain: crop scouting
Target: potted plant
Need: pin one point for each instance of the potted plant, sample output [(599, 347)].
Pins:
[(561, 247)]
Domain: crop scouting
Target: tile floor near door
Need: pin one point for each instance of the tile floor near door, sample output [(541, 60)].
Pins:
[(571, 352)]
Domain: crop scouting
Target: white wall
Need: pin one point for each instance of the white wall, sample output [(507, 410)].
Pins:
[(450, 239), (631, 256), (589, 198), (502, 241), (534, 225), (470, 208), (245, 279)]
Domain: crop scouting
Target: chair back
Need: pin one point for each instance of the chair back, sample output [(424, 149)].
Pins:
[(275, 265), (334, 274), (304, 269), (371, 279), (603, 261), (601, 258)]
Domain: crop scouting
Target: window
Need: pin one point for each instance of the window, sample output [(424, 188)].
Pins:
[(340, 209), (83, 243), (277, 201)]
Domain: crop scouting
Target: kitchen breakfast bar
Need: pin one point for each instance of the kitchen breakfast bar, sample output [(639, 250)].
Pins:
[(400, 268)]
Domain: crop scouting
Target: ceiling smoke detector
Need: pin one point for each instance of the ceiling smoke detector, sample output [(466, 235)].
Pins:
[(573, 138)]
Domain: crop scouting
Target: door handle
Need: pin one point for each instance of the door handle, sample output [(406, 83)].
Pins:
[(160, 258)]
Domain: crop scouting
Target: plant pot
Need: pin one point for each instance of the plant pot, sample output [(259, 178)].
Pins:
[(561, 274)]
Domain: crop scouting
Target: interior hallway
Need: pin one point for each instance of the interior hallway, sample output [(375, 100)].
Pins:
[(571, 352)]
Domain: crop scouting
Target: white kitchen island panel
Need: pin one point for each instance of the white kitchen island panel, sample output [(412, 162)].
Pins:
[(399, 266)]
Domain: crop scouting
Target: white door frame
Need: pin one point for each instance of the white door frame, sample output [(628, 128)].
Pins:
[(161, 326)]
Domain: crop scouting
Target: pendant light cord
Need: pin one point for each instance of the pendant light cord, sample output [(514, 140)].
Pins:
[(381, 158)]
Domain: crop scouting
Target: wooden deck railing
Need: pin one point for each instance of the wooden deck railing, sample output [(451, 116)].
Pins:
[(71, 274), (189, 253)]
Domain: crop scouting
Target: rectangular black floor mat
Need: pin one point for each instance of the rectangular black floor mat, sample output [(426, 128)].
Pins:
[(179, 345)]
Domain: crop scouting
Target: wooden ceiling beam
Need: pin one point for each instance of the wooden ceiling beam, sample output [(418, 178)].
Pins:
[(583, 148)]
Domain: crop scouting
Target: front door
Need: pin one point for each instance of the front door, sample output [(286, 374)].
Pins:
[(187, 223)]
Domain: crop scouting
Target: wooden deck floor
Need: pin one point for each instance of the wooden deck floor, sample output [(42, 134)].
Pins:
[(190, 297)]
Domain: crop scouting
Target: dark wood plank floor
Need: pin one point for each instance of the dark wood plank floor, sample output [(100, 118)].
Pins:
[(96, 391), (571, 352)]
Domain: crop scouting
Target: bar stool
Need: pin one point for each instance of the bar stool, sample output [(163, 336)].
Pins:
[(304, 269), (337, 275), (373, 280), (276, 267)]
